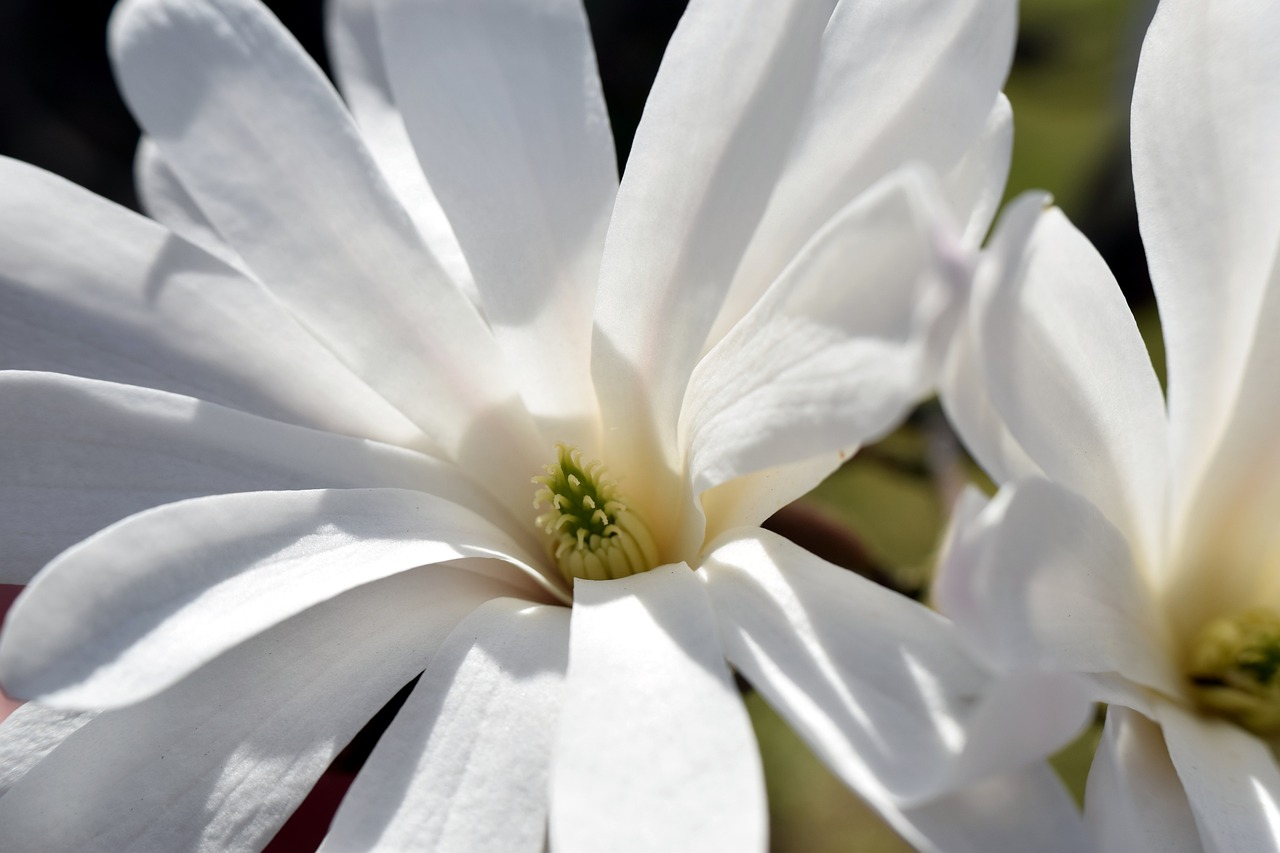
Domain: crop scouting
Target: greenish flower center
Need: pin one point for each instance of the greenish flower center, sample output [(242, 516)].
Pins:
[(593, 534), (1235, 669)]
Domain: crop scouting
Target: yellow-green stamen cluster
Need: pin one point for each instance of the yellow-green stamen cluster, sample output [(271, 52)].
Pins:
[(1235, 669), (593, 534)]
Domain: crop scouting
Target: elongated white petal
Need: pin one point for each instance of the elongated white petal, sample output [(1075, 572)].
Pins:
[(1026, 809), (29, 734), (1206, 124), (748, 500), (717, 125), (975, 184), (1069, 374), (219, 761), (165, 200), (503, 103), (81, 454), (360, 71), (464, 766), (1134, 799), (133, 609), (815, 368), (265, 147), (1050, 582), (899, 81), (655, 751), (1230, 777), (906, 714), (93, 289)]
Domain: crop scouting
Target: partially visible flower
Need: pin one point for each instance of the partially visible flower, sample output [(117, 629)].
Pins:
[(333, 437), (1136, 547)]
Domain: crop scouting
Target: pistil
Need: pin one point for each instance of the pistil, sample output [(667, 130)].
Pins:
[(1234, 668), (593, 534)]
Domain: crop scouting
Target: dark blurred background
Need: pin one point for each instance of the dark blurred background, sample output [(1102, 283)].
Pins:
[(1070, 89)]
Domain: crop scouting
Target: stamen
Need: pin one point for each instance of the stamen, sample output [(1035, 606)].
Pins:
[(593, 534), (1234, 669)]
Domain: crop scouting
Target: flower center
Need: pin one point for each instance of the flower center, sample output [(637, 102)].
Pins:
[(593, 534), (1235, 669)]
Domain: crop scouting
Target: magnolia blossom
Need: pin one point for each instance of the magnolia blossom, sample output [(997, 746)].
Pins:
[(321, 437), (1136, 546)]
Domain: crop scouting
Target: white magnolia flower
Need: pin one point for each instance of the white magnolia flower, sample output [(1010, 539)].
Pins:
[(1132, 545), (303, 411)]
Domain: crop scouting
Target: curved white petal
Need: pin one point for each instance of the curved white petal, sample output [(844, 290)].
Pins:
[(1134, 799), (1230, 777), (29, 734), (963, 388), (265, 147), (717, 125), (81, 454), (1206, 124), (1069, 375), (165, 200), (502, 101), (975, 184), (816, 368), (655, 751), (1047, 581), (351, 31), (90, 288), (219, 761), (899, 81), (464, 765), (748, 500), (877, 684), (133, 609), (1026, 809)]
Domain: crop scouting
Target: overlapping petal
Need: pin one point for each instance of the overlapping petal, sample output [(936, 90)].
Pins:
[(815, 369), (249, 125), (359, 69), (1205, 124), (129, 611), (899, 81), (464, 765), (1134, 799), (733, 82), (81, 454), (504, 108), (219, 761), (655, 751), (92, 289), (1069, 375), (29, 734)]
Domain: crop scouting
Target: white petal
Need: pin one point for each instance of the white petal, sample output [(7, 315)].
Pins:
[(219, 761), (1047, 581), (899, 81), (655, 751), (464, 765), (93, 289), (361, 74), (814, 369), (81, 454), (1070, 376), (503, 103), (1134, 800), (1206, 124), (1027, 809), (29, 734), (976, 183), (265, 147), (715, 130), (165, 200), (133, 609), (906, 716), (1230, 777), (748, 500)]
